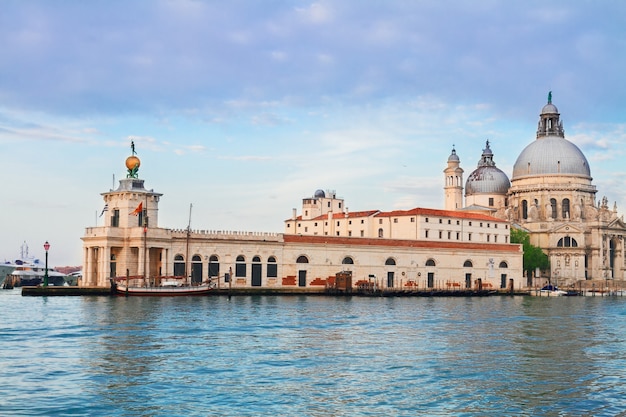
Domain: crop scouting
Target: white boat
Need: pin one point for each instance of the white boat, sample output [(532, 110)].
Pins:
[(27, 271), (549, 291), (33, 275)]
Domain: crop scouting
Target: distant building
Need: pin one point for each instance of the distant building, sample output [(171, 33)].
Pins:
[(417, 248)]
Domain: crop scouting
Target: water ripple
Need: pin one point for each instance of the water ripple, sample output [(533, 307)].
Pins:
[(312, 356)]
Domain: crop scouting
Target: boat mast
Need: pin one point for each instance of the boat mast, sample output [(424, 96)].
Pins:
[(187, 263)]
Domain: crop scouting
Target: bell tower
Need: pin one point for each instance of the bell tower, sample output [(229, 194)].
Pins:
[(453, 183)]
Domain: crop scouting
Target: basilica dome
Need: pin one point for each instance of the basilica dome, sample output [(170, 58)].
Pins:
[(487, 178), (551, 153)]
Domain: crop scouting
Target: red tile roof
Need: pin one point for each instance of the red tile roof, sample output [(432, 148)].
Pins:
[(431, 244)]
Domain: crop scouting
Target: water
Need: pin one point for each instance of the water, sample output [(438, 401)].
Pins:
[(312, 356)]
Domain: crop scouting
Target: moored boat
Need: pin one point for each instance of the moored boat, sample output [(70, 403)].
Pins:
[(168, 287), (549, 291)]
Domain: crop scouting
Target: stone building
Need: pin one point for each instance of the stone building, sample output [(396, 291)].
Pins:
[(551, 196), (417, 248)]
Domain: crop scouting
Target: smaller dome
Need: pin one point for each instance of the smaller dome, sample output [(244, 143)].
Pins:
[(453, 156), (487, 180), (549, 109), (319, 194)]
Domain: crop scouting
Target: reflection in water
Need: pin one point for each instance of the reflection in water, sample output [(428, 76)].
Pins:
[(313, 356)]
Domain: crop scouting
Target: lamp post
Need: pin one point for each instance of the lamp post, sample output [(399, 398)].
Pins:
[(46, 246)]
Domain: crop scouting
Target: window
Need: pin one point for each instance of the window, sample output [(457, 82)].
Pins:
[(469, 236), (272, 267), (567, 242), (524, 209), (306, 229), (565, 208), (458, 222), (481, 224), (338, 223), (390, 261), (349, 221), (426, 220), (440, 234), (449, 221), (380, 221), (426, 233), (488, 236), (362, 233), (302, 260), (214, 266), (179, 266), (458, 235), (412, 219), (362, 221), (430, 262), (490, 201), (347, 261), (240, 266), (395, 220), (349, 232), (380, 232), (440, 221), (449, 234), (315, 224), (115, 218), (503, 265), (469, 223), (495, 238), (468, 264)]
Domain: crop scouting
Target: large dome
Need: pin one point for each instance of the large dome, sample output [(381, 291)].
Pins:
[(487, 178), (551, 153)]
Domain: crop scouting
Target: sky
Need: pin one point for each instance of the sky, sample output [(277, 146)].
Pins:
[(244, 108)]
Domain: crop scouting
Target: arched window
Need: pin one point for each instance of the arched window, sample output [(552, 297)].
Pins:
[(380, 232), (179, 265), (503, 265), (553, 207), (565, 208), (430, 262), (214, 266), (347, 261), (302, 260), (524, 209), (272, 267), (256, 259), (390, 261), (467, 264), (567, 242), (240, 266)]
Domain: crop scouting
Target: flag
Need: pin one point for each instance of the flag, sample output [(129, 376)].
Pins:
[(106, 208), (137, 210)]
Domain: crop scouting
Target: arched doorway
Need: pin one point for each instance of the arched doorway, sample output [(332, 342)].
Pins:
[(302, 272), (256, 271), (196, 269), (179, 266)]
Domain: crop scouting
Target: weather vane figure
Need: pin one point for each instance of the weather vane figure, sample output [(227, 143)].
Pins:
[(132, 162)]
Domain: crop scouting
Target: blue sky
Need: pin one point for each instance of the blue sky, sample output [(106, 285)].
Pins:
[(243, 108)]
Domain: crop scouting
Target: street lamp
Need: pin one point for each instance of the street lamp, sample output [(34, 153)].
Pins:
[(46, 246)]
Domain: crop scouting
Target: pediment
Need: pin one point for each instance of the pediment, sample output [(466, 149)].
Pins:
[(617, 225), (567, 229)]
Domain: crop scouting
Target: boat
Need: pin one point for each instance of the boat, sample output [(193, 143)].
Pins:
[(28, 271), (167, 287), (33, 275), (549, 290)]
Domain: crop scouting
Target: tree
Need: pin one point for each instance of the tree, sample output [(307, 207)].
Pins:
[(533, 256)]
